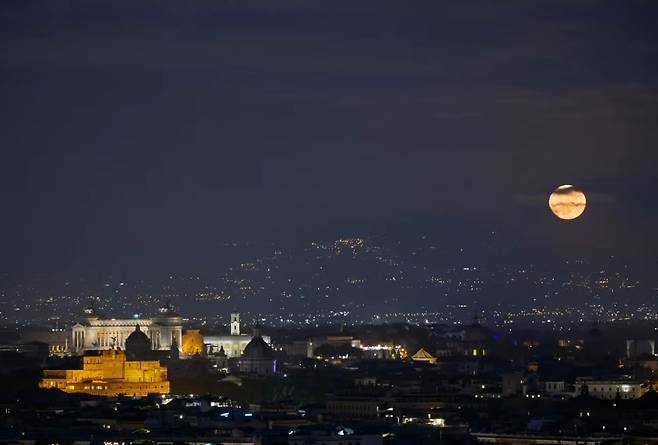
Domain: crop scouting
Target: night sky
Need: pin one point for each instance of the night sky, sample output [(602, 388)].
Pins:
[(152, 132)]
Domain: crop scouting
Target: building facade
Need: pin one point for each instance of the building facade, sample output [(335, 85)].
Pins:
[(193, 343), (110, 374), (611, 389), (94, 333), (233, 344)]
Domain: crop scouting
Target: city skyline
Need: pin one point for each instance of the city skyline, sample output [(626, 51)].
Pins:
[(355, 222)]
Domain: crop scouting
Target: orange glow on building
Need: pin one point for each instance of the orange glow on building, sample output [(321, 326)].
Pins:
[(193, 342), (110, 374)]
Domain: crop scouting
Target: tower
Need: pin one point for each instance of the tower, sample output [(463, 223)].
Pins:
[(235, 323)]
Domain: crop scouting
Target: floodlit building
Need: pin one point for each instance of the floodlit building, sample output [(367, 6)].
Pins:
[(424, 356), (193, 343), (233, 344), (109, 373), (93, 333), (611, 389)]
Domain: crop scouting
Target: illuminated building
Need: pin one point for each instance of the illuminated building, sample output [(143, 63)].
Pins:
[(109, 373), (94, 333), (233, 344), (235, 323), (424, 356), (611, 389), (555, 387), (193, 343), (386, 352)]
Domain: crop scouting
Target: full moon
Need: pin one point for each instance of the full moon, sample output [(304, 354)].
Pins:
[(567, 202)]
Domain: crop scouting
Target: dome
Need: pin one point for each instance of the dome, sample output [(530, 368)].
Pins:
[(257, 348), (138, 344)]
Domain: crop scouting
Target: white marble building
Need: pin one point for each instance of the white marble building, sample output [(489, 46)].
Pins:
[(233, 344), (95, 333)]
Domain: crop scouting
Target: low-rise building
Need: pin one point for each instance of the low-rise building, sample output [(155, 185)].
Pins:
[(610, 389), (554, 387)]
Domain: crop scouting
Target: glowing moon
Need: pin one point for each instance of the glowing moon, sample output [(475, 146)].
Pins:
[(567, 202)]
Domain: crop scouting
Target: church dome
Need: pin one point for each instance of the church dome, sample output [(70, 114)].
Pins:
[(138, 345), (257, 348)]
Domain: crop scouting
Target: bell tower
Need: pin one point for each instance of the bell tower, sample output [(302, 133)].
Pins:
[(235, 323)]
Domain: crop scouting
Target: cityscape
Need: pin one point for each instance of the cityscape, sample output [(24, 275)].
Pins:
[(317, 283), (282, 349), (328, 223)]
